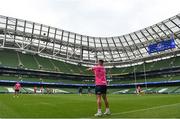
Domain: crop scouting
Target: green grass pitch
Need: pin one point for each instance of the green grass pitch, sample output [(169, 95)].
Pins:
[(69, 105)]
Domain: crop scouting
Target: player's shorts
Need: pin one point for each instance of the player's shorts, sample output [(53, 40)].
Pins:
[(16, 90), (100, 89)]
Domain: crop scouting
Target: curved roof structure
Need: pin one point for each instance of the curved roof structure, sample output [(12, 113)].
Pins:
[(76, 48)]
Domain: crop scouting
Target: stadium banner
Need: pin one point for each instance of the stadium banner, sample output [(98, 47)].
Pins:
[(161, 46)]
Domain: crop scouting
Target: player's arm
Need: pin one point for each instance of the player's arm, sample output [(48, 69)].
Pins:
[(89, 69)]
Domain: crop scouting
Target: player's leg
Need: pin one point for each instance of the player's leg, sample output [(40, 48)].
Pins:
[(98, 99), (15, 92), (105, 100), (107, 112)]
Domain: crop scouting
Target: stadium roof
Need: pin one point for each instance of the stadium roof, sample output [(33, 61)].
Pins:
[(73, 47)]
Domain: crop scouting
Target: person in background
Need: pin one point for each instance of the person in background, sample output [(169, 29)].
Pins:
[(138, 90), (17, 88), (35, 89), (80, 91), (41, 89)]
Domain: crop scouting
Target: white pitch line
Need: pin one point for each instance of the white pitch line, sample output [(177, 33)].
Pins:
[(156, 107)]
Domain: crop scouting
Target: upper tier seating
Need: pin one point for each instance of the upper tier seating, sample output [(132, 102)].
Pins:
[(12, 58)]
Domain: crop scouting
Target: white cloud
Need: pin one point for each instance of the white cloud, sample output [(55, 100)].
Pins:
[(92, 17)]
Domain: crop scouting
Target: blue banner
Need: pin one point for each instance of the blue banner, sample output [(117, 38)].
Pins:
[(161, 46)]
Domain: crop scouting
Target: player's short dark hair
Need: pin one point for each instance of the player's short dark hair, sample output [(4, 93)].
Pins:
[(101, 61)]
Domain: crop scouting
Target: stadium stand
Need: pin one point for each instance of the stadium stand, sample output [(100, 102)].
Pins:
[(37, 53), (30, 61), (8, 58), (36, 79)]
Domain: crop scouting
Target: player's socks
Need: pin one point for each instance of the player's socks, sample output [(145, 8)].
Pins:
[(107, 112), (99, 113)]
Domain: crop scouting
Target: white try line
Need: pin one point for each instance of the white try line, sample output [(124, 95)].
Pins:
[(156, 107)]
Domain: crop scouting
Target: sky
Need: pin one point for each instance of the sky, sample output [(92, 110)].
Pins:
[(99, 18)]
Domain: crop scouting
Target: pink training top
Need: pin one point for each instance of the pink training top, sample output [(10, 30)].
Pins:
[(17, 86), (100, 75), (139, 88)]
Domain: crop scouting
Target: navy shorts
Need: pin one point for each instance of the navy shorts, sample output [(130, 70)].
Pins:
[(16, 90), (100, 89)]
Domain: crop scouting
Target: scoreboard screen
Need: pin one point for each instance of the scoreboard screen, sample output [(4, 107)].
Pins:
[(161, 46)]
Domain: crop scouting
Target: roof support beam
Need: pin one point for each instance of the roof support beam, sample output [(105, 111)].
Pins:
[(124, 48), (141, 41), (81, 50), (165, 33), (40, 32), (151, 37), (54, 40), (170, 30), (116, 48), (135, 45), (110, 52), (15, 30), (102, 48), (88, 48), (62, 35), (129, 46), (67, 46), (96, 57)]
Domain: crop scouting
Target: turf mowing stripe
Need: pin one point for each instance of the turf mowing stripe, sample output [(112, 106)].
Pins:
[(156, 107)]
